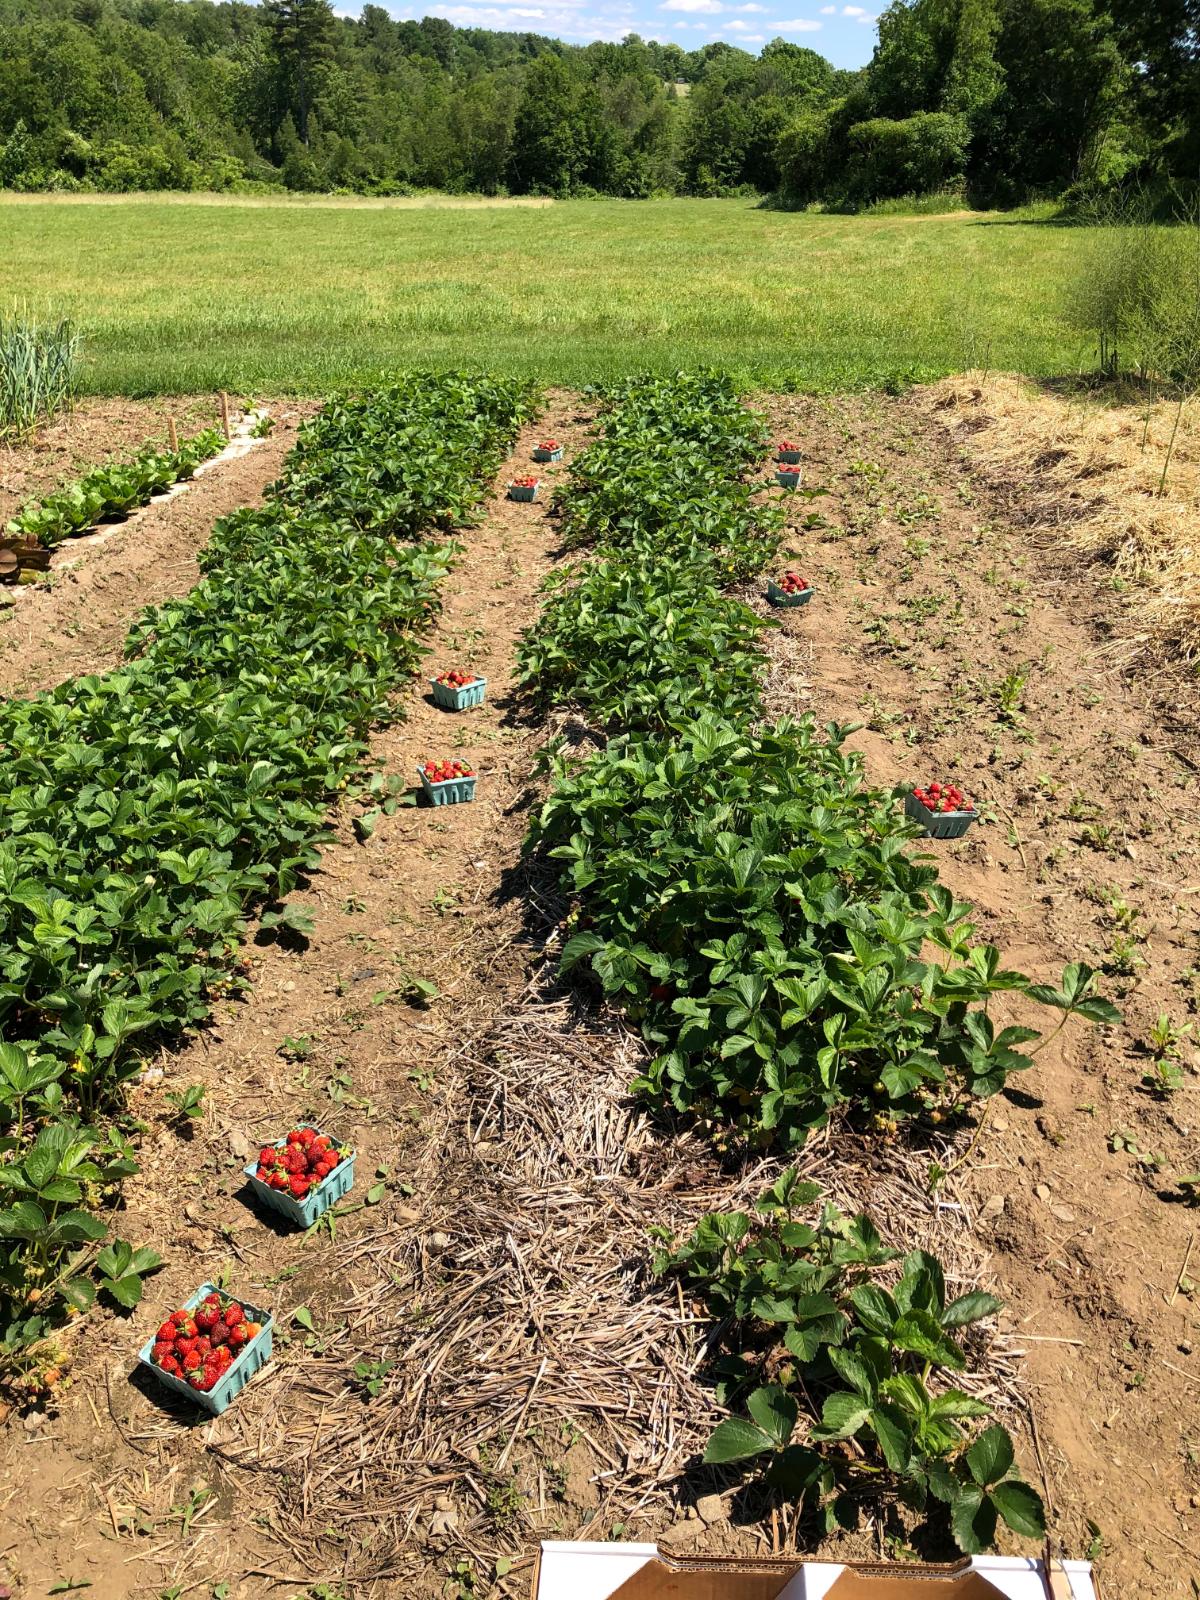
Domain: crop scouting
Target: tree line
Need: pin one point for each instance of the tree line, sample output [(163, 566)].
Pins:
[(1000, 100)]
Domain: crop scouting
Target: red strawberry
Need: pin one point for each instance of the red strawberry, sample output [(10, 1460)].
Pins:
[(169, 1364), (234, 1314), (193, 1361), (307, 1135), (220, 1335), (205, 1317), (162, 1347), (166, 1331), (239, 1335), (184, 1347), (299, 1187), (268, 1156)]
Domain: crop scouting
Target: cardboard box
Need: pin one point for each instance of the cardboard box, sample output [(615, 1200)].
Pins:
[(582, 1571)]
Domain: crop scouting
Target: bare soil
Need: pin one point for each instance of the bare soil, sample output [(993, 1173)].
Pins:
[(76, 622), (972, 653), (537, 1384)]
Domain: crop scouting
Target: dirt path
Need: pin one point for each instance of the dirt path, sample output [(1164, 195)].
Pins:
[(77, 622), (330, 1033), (969, 654)]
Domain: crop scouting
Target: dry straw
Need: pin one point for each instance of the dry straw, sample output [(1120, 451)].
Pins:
[(1090, 477)]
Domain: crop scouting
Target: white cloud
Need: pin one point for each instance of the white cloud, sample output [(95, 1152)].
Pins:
[(853, 11), (761, 9), (800, 25), (710, 8), (829, 11), (736, 26)]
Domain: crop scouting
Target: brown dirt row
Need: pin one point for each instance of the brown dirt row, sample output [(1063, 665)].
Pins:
[(969, 652), (77, 621)]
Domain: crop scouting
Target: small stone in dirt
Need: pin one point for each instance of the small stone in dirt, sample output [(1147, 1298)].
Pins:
[(443, 1503), (362, 974), (993, 1206), (1000, 1124), (1063, 1213), (442, 1524), (710, 1508), (1185, 1347), (33, 1421), (439, 1241), (676, 1538), (1042, 1190), (239, 1145)]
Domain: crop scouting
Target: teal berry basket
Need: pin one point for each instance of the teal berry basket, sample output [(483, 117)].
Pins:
[(540, 454), (523, 491), (789, 477), (253, 1358), (781, 597), (452, 699), (449, 792), (792, 456), (939, 824), (317, 1201)]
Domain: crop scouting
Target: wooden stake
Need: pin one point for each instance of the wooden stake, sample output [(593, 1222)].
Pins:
[(225, 412), (172, 436)]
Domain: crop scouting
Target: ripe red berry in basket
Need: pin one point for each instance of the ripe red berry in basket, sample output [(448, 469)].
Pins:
[(169, 1364), (233, 1314), (549, 444)]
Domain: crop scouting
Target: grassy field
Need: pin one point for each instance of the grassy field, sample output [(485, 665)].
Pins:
[(182, 294)]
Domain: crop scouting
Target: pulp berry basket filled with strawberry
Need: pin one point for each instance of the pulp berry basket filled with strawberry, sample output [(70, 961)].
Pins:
[(548, 450), (942, 809), (447, 783), (210, 1348), (787, 451), (455, 691), (524, 488), (789, 475), (791, 590), (301, 1176)]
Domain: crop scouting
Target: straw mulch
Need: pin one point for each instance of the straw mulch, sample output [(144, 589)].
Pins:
[(1088, 476), (515, 1300)]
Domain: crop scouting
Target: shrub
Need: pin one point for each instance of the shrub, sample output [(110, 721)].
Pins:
[(916, 155)]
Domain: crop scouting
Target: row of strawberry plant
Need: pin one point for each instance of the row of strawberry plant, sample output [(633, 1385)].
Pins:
[(113, 490), (150, 810), (641, 635), (748, 898)]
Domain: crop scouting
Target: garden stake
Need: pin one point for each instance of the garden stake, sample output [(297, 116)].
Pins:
[(172, 436)]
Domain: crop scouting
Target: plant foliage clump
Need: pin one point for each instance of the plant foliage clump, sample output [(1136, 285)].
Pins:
[(863, 1356)]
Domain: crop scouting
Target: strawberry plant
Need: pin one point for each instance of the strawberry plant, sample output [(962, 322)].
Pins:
[(750, 898), (641, 643), (863, 1352)]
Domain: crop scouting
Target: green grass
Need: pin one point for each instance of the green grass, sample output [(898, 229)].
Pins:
[(180, 294)]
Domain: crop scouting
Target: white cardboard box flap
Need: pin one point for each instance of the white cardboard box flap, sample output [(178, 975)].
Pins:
[(582, 1571)]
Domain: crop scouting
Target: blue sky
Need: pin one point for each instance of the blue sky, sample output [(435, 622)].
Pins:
[(843, 33)]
